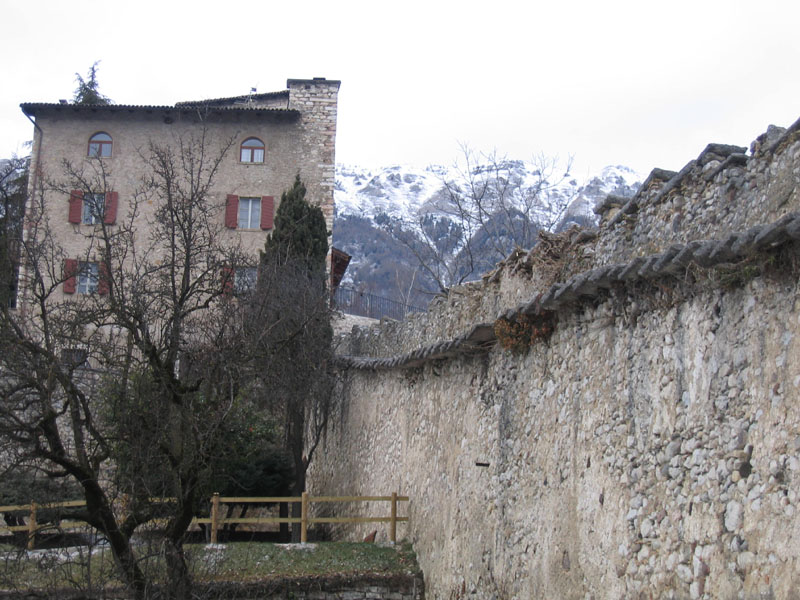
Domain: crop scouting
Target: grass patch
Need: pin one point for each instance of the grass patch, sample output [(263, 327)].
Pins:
[(245, 562), (253, 562), (58, 568)]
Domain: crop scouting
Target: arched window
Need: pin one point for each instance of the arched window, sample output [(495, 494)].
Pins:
[(100, 145), (252, 151)]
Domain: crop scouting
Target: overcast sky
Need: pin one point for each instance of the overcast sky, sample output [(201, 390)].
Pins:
[(644, 84)]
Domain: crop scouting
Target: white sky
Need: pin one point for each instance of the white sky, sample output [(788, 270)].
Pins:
[(638, 83)]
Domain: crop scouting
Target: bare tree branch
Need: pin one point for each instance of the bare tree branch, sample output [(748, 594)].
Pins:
[(485, 209)]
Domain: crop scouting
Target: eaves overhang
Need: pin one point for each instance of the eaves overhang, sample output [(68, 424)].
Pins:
[(34, 109)]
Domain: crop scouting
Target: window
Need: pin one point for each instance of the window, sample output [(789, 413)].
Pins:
[(93, 208), (100, 145), (238, 281), (88, 277), (244, 280), (75, 358), (252, 151), (249, 213)]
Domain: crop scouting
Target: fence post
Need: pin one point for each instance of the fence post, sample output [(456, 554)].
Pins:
[(32, 526), (304, 518), (393, 522), (214, 516)]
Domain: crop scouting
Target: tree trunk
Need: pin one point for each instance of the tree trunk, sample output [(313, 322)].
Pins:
[(299, 488), (296, 511), (105, 521), (283, 513), (125, 558), (178, 584), (295, 438)]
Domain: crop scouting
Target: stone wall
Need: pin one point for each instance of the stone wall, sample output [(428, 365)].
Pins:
[(698, 203), (343, 587), (375, 587), (650, 447)]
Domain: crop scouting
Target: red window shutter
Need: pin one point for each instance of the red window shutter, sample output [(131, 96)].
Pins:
[(227, 280), (267, 211), (103, 278), (75, 206), (70, 271), (232, 211), (110, 210)]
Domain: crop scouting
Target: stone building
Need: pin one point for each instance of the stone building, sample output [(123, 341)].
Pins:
[(88, 163), (139, 223)]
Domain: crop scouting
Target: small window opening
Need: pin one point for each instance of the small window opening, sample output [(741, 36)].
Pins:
[(244, 280), (75, 358), (93, 207), (252, 151), (100, 145), (88, 277), (249, 213)]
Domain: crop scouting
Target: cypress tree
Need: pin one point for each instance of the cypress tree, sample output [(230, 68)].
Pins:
[(88, 90), (300, 232), (13, 193), (298, 346)]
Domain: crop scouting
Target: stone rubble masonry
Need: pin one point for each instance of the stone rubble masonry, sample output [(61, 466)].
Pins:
[(316, 99), (649, 448), (345, 587)]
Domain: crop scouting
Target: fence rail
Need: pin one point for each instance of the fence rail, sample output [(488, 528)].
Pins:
[(353, 302), (216, 520)]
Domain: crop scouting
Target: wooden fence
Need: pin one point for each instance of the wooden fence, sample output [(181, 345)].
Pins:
[(33, 526), (216, 520)]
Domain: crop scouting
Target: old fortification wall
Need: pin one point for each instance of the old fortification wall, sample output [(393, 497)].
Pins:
[(648, 447)]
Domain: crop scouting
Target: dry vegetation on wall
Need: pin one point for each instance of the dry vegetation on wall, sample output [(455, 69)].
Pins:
[(521, 331), (556, 257), (774, 263)]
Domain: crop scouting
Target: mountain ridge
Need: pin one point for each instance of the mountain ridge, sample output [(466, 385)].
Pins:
[(384, 216)]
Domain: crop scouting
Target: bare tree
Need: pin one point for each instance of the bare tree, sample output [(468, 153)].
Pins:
[(405, 281), (143, 384), (486, 208)]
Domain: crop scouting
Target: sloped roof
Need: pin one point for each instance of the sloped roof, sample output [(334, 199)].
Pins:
[(236, 100), (37, 108)]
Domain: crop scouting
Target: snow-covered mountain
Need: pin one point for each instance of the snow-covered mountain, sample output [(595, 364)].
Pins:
[(382, 214), (397, 191)]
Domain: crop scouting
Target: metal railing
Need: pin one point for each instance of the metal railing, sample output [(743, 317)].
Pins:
[(354, 302)]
